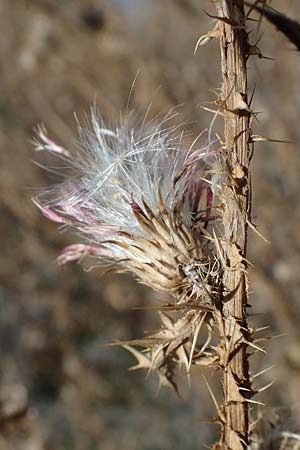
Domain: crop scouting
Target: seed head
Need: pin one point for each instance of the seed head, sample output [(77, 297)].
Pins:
[(141, 203)]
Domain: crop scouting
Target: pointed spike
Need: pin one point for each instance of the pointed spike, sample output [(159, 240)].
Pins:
[(214, 111), (142, 361), (196, 334), (257, 330), (264, 388), (245, 389), (258, 138), (254, 346), (253, 228), (258, 374), (218, 408), (254, 402)]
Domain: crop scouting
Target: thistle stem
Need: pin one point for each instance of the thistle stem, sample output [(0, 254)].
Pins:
[(233, 44)]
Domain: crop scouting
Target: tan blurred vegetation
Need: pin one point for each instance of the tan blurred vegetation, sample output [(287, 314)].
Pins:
[(59, 389)]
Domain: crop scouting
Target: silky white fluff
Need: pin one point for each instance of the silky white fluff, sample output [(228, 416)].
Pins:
[(117, 171)]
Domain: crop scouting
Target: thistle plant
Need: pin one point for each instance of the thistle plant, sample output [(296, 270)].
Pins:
[(176, 217), (142, 203)]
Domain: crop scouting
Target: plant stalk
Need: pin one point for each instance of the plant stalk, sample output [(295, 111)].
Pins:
[(237, 133)]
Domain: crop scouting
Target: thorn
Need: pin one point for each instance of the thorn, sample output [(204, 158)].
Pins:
[(226, 20), (258, 374), (196, 334), (205, 38), (276, 336), (252, 95), (253, 227), (243, 442), (257, 330), (214, 111), (264, 388), (268, 338), (254, 346), (254, 402), (258, 138), (245, 389), (253, 50), (221, 415)]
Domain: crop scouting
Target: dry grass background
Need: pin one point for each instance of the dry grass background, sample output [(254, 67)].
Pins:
[(58, 389)]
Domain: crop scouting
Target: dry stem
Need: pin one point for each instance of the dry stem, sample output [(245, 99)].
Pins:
[(236, 204)]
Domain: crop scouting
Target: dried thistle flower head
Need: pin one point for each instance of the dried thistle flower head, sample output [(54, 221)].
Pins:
[(142, 204)]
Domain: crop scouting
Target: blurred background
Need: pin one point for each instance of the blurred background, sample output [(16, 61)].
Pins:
[(60, 390)]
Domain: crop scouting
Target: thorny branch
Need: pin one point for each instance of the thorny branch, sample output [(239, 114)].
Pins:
[(235, 198)]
